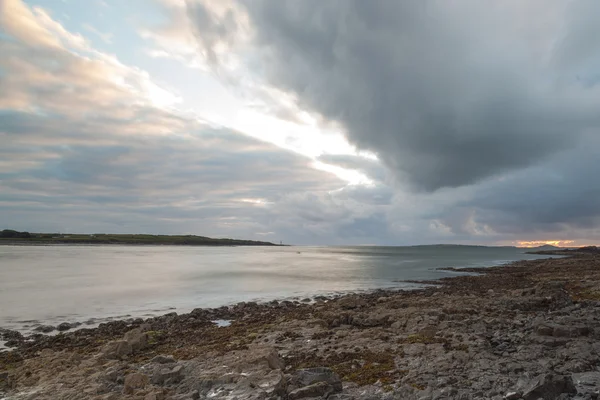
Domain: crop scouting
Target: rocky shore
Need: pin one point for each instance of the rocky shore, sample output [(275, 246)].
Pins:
[(529, 331)]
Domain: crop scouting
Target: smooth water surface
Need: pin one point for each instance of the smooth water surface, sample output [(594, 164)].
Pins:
[(53, 284)]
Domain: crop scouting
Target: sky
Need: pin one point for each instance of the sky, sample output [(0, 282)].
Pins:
[(308, 122)]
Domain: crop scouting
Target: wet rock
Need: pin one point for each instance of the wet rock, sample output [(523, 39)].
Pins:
[(7, 334), (548, 387), (45, 328), (65, 326), (133, 382)]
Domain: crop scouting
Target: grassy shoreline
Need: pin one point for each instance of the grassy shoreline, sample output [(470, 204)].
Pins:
[(8, 237)]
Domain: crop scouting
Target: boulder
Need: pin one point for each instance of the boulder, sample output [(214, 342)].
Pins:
[(548, 387), (266, 357), (65, 326), (116, 349), (137, 339), (168, 376), (133, 382)]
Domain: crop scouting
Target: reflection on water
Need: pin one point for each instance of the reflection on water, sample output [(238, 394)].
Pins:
[(52, 284)]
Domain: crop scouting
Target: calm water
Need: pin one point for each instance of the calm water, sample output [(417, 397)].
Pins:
[(53, 284)]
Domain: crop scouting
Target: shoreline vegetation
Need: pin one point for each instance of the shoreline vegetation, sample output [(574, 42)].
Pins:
[(11, 237), (527, 330)]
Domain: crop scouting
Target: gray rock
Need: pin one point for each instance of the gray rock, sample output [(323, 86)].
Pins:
[(137, 339), (116, 349), (310, 376), (319, 389), (512, 396), (549, 387), (587, 383), (167, 376)]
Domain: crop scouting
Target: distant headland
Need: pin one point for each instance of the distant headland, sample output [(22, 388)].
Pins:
[(12, 237)]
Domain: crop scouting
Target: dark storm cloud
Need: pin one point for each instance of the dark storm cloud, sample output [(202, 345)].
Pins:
[(446, 93), (549, 198)]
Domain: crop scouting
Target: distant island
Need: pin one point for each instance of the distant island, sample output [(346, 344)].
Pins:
[(12, 237)]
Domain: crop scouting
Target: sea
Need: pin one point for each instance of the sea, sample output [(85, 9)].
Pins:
[(48, 285)]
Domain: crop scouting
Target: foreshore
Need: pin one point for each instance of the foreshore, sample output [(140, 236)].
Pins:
[(528, 330)]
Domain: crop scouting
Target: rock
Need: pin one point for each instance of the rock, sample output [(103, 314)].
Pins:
[(3, 379), (587, 383), (45, 328), (134, 381), (161, 359), (116, 349), (112, 375), (274, 361), (352, 302), (562, 331), (46, 353), (548, 387), (512, 396), (310, 376), (168, 376), (137, 339), (65, 326), (544, 330), (155, 396), (7, 334), (319, 389), (267, 356)]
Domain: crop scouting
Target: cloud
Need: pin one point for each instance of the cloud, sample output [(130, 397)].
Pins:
[(368, 166), (106, 37), (492, 117), (87, 147), (445, 93)]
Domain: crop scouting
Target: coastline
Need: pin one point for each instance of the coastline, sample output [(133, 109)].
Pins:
[(522, 328)]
